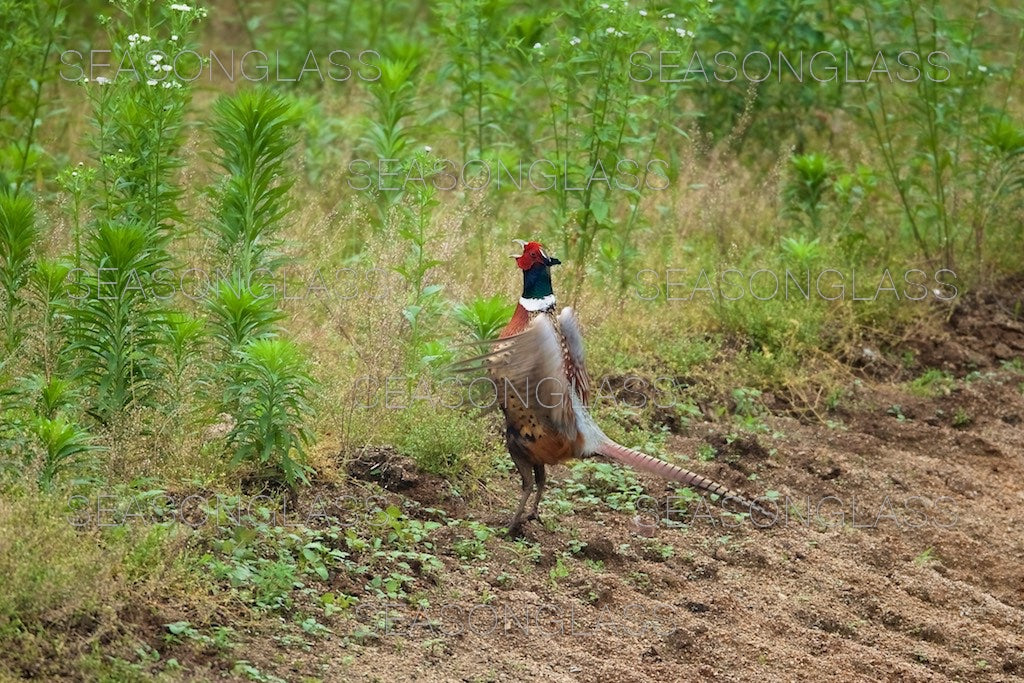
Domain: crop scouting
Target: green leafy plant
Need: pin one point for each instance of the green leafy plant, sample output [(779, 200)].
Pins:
[(63, 445), (29, 34), (77, 181), (472, 30), (706, 452), (187, 378), (272, 393), (388, 134), (807, 187), (254, 131), (603, 484), (47, 288), (926, 556), (266, 385), (962, 419), (484, 317), (18, 235), (116, 329), (600, 115), (944, 152), (933, 382), (54, 395), (424, 298), (804, 252), (138, 129), (440, 441), (241, 312), (780, 107), (896, 410), (15, 427)]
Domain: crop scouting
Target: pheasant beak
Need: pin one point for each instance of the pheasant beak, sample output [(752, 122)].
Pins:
[(549, 260)]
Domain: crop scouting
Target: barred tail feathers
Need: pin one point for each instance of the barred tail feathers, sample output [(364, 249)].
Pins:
[(646, 463)]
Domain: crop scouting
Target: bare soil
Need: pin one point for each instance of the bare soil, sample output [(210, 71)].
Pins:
[(901, 557), (902, 560)]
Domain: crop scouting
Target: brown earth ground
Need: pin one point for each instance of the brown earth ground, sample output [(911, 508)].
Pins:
[(866, 600), (909, 566)]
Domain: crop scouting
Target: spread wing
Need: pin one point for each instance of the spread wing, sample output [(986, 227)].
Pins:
[(576, 368), (529, 371)]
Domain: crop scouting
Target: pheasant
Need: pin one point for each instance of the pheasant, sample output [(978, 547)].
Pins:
[(542, 387)]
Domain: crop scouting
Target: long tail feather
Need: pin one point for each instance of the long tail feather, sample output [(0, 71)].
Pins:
[(646, 463)]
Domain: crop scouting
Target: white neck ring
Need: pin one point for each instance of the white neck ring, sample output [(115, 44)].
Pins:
[(534, 305)]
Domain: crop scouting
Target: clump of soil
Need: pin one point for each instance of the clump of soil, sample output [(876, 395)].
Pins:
[(385, 467), (984, 328), (399, 474)]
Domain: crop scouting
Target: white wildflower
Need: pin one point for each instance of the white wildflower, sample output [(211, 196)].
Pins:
[(133, 37), (574, 41), (537, 46), (604, 5), (167, 67), (174, 37), (102, 80), (670, 15), (74, 174), (982, 68), (151, 82), (181, 8), (144, 39), (609, 30), (643, 13), (428, 148)]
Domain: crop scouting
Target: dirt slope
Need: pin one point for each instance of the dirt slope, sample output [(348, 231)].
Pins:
[(898, 553), (797, 601), (921, 579)]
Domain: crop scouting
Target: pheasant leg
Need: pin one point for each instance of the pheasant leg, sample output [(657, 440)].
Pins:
[(541, 476), (526, 472)]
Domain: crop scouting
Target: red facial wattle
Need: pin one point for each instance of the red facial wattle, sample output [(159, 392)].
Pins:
[(533, 254)]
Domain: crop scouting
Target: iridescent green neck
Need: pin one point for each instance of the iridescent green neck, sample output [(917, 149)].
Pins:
[(537, 282)]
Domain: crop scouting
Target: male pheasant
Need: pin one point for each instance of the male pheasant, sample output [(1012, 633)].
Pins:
[(543, 389)]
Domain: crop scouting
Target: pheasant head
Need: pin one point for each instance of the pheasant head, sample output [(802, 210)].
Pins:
[(536, 266)]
